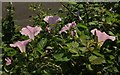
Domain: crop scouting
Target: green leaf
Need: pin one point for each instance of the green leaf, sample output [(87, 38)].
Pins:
[(115, 69), (98, 54), (82, 26), (96, 60), (92, 58), (65, 59), (73, 47), (89, 66), (110, 62), (59, 57), (93, 23), (78, 31), (73, 50), (111, 33), (83, 49), (112, 57), (41, 45), (10, 51)]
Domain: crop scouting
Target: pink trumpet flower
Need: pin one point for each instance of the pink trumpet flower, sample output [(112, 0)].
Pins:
[(30, 31), (21, 45), (52, 19), (8, 61), (67, 27), (73, 24), (102, 36), (64, 29)]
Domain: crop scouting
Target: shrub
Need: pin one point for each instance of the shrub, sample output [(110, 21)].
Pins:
[(82, 38)]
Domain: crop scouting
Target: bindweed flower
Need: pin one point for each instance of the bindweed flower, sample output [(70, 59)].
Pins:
[(8, 61), (73, 32), (47, 28), (30, 31), (21, 45), (52, 19), (67, 27), (102, 36), (78, 14), (73, 24), (64, 29)]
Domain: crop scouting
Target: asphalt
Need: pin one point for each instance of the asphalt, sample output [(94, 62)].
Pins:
[(23, 13)]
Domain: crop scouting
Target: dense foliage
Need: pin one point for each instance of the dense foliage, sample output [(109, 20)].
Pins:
[(66, 46)]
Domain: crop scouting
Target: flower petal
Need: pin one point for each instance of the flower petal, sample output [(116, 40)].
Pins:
[(73, 32), (37, 30), (25, 31), (26, 41), (112, 38), (31, 31), (12, 45), (21, 45), (93, 31), (52, 19), (8, 61), (67, 27), (102, 36)]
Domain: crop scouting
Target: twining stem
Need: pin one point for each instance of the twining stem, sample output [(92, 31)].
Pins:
[(68, 9)]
